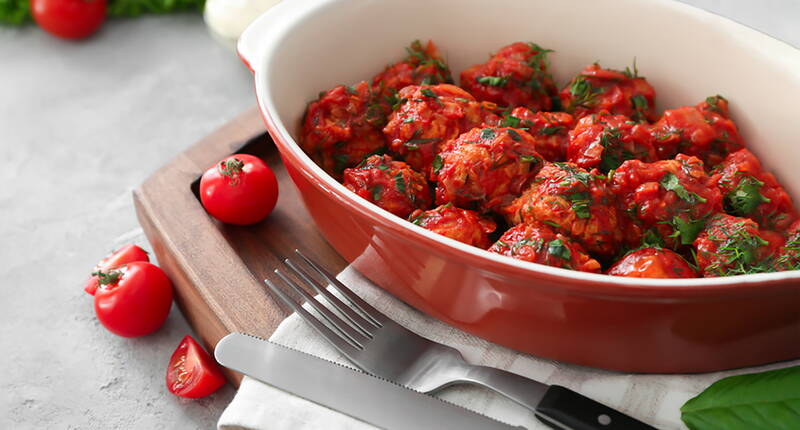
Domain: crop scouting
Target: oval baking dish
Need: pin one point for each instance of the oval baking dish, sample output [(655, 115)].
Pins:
[(640, 325)]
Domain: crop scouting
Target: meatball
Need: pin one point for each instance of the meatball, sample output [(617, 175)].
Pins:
[(392, 185), (703, 131), (486, 168), (753, 193), (538, 243), (423, 66), (460, 224), (605, 141), (652, 263), (427, 117), (621, 93), (575, 202), (549, 130), (517, 75), (669, 199), (788, 257), (730, 245), (342, 127)]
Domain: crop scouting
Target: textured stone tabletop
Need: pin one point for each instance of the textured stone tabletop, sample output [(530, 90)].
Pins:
[(81, 125)]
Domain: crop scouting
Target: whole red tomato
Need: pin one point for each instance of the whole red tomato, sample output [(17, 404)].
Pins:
[(192, 373), (241, 189), (126, 254), (69, 19), (133, 300)]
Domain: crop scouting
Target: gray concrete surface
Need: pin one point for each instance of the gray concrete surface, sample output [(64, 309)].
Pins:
[(81, 124)]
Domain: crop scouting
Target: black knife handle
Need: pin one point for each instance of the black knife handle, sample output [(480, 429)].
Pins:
[(564, 409)]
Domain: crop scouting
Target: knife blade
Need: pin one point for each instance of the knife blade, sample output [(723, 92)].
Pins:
[(362, 396)]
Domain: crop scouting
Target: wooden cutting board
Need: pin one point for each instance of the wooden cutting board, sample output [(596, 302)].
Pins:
[(217, 269)]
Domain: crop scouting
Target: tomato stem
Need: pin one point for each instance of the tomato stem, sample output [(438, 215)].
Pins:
[(107, 278), (231, 168)]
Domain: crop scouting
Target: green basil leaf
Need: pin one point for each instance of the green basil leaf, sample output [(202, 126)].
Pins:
[(757, 401)]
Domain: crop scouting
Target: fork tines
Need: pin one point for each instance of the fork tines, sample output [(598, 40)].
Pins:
[(360, 319)]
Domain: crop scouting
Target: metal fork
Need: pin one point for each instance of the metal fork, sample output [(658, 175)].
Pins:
[(380, 346)]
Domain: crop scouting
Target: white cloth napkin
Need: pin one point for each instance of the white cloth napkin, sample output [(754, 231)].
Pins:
[(655, 399)]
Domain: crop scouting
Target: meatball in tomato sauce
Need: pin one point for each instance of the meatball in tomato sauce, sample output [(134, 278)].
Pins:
[(342, 127), (605, 141), (517, 75), (652, 263), (668, 198), (423, 66), (621, 93), (730, 245), (460, 224), (550, 130), (704, 131), (538, 243), (751, 192), (486, 168), (575, 202), (427, 117), (392, 185)]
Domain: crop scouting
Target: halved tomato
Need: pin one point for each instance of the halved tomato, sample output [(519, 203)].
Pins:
[(192, 373)]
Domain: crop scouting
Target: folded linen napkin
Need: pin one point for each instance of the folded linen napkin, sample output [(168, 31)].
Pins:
[(655, 399)]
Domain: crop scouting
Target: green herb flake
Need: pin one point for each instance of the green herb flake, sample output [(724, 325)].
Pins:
[(557, 248), (493, 81), (550, 130), (686, 230), (488, 134), (400, 183), (376, 193), (581, 204), (437, 164), (514, 135), (527, 158), (746, 197), (511, 121), (427, 92), (670, 182)]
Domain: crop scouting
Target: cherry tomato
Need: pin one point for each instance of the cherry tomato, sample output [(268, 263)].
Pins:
[(241, 189), (192, 373), (133, 300), (69, 19), (126, 254)]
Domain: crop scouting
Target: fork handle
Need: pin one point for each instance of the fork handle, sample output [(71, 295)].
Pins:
[(556, 406)]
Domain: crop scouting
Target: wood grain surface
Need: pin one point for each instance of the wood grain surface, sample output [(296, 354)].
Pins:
[(217, 269)]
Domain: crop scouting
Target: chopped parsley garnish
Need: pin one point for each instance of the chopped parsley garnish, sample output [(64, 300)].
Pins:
[(550, 130), (713, 103), (631, 74), (738, 253), (581, 204), (408, 120), (640, 107), (415, 141), (494, 81), (539, 63), (351, 90), (527, 158), (400, 183), (514, 135), (575, 173), (651, 240), (488, 133), (670, 182), (437, 164), (419, 218), (613, 154), (686, 230), (427, 92), (341, 161), (583, 94), (557, 248), (746, 197), (376, 192), (511, 121), (552, 224)]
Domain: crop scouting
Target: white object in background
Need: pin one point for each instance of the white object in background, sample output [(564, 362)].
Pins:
[(227, 19)]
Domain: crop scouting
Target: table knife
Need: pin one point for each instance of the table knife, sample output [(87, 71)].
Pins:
[(362, 396)]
